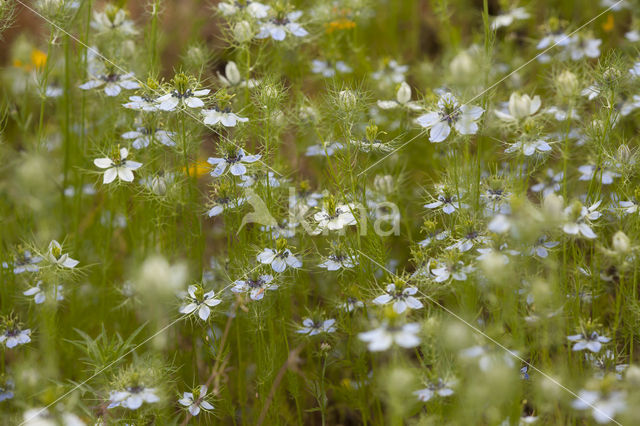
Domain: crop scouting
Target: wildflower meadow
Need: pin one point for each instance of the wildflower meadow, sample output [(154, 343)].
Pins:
[(319, 212)]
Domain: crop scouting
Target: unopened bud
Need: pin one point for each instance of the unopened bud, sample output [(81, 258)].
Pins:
[(242, 32)]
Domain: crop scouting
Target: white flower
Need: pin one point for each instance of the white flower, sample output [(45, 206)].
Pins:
[(448, 202), (580, 47), (254, 9), (456, 270), (635, 71), (55, 256), (277, 28), (591, 92), (440, 388), (561, 114), (336, 262), (589, 171), (142, 137), (255, 286), (438, 236), (195, 403), (220, 204), (488, 360), (141, 103), (550, 184), (327, 149), (117, 167), (593, 341), (403, 99), (223, 116), (467, 242), (633, 36), (133, 397), (391, 73), (279, 260), (402, 299), (23, 262), (541, 245), (529, 147), (113, 18), (235, 162), (579, 219), (604, 407), (42, 417), (381, 339), (520, 107), (39, 295), (266, 179), (232, 77), (14, 336), (113, 82), (337, 219), (198, 299), (190, 98), (629, 207), (312, 328), (327, 69), (506, 19), (351, 304), (462, 117)]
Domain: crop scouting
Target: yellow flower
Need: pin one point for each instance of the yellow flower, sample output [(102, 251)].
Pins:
[(198, 169), (340, 24)]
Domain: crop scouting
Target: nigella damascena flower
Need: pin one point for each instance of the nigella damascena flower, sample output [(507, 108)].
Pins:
[(132, 397), (255, 286), (635, 71), (312, 327), (113, 18), (580, 47), (629, 207), (13, 336), (325, 150), (443, 271), (39, 294), (403, 100), (462, 117), (509, 17), (549, 183), (529, 147), (519, 107), (234, 160), (23, 261), (391, 73), (603, 174), (335, 217), (440, 388), (113, 83), (446, 201), (117, 166), (188, 98), (337, 261), (141, 103), (197, 299), (381, 339), (541, 246), (55, 256), (579, 217), (351, 304), (592, 342), (328, 69), (220, 203), (468, 240), (278, 28), (195, 400), (143, 136), (604, 407), (223, 116), (6, 388), (253, 8), (279, 259), (401, 298)]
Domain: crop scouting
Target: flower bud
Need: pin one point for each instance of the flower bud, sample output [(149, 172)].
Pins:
[(404, 93), (347, 99), (159, 185), (567, 83), (621, 243), (242, 32), (232, 73), (462, 65)]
